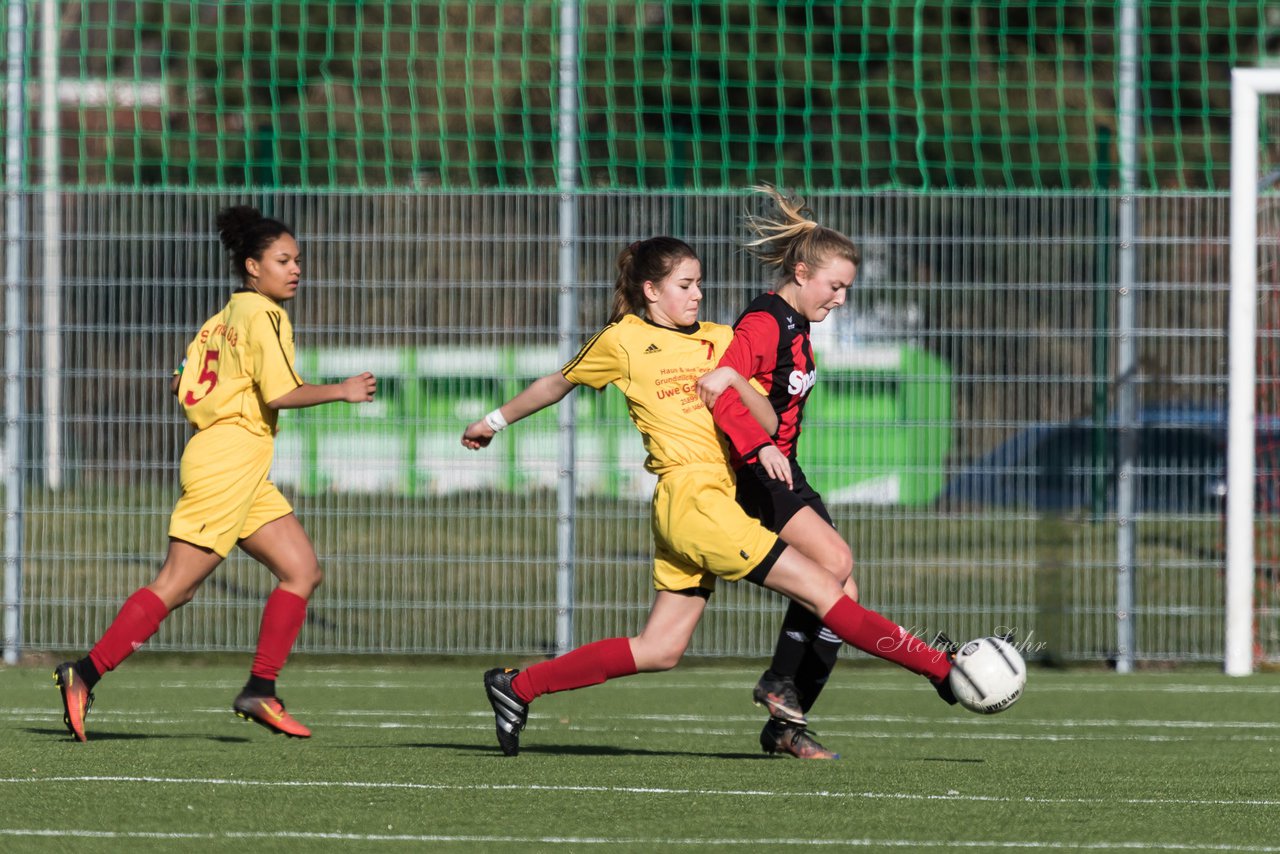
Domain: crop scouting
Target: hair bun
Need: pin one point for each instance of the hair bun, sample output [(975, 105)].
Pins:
[(234, 223)]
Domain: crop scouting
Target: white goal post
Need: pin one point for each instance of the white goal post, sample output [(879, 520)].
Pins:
[(1246, 85)]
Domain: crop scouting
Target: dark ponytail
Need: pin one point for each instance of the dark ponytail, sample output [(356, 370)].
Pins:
[(649, 260), (246, 234)]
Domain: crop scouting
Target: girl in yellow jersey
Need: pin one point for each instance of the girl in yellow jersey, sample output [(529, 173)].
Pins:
[(237, 375), (654, 350)]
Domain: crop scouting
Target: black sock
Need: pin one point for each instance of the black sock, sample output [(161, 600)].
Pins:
[(88, 673), (799, 627), (260, 687), (815, 668)]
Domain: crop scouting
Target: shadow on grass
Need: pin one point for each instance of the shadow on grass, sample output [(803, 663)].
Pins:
[(107, 735), (583, 750), (953, 759)]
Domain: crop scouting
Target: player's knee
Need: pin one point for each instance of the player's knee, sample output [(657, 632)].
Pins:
[(820, 592), (667, 658), (175, 599), (839, 562), (307, 580), (653, 657), (851, 588)]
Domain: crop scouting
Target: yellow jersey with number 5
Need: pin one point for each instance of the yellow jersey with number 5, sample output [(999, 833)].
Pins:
[(656, 368), (241, 359)]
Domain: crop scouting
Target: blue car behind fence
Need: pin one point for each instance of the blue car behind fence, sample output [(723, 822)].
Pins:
[(1179, 466)]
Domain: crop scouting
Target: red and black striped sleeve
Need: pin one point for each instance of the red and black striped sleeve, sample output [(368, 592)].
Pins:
[(754, 354)]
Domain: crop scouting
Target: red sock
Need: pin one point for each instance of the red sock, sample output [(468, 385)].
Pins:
[(139, 618), (282, 619), (586, 665), (870, 632)]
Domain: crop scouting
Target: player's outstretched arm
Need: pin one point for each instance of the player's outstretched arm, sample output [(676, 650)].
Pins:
[(541, 393), (358, 389)]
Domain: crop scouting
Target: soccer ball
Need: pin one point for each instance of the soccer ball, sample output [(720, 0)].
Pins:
[(988, 675)]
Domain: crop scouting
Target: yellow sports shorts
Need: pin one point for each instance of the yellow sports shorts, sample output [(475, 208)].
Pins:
[(701, 534), (225, 492)]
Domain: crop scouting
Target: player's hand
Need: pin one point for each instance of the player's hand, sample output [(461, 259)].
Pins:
[(775, 464), (478, 435), (359, 389), (713, 383)]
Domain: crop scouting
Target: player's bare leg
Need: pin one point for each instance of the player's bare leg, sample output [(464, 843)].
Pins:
[(667, 632), (796, 576), (284, 548), (185, 568), (659, 646)]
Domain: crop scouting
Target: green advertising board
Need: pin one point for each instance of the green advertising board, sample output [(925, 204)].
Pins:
[(877, 427)]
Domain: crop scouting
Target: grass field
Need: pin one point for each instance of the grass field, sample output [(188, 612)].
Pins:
[(404, 758)]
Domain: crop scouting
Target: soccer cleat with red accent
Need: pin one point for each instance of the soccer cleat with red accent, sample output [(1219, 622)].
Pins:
[(780, 736), (76, 698), (778, 694), (270, 713)]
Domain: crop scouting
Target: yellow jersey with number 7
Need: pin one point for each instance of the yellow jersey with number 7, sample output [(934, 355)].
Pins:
[(241, 359), (656, 368)]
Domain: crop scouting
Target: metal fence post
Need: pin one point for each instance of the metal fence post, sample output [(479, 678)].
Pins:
[(568, 312), (15, 335), (1127, 346)]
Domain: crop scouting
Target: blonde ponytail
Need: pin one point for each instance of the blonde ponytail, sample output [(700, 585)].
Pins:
[(792, 238)]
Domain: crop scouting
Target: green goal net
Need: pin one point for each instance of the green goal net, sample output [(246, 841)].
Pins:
[(926, 94)]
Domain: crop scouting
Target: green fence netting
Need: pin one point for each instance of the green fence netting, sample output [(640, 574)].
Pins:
[(926, 94)]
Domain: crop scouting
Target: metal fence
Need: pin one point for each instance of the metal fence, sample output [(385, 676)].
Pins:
[(964, 424)]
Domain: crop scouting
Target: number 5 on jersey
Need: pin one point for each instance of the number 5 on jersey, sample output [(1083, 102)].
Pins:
[(208, 375)]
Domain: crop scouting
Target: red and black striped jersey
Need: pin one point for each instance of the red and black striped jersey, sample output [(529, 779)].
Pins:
[(770, 345)]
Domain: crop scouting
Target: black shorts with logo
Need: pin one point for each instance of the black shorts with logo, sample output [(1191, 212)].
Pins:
[(771, 502)]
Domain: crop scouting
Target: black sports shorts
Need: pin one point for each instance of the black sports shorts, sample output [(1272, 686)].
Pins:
[(771, 502)]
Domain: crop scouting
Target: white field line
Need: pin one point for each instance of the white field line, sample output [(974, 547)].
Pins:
[(912, 720), (851, 681), (951, 795), (827, 732), (715, 726), (653, 843)]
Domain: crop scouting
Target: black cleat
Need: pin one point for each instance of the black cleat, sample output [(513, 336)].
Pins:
[(77, 700), (778, 694), (779, 736), (942, 643), (949, 648), (509, 712)]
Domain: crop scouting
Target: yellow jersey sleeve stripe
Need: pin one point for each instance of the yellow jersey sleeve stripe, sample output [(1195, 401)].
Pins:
[(573, 363), (274, 317)]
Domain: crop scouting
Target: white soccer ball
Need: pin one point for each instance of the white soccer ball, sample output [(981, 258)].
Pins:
[(988, 675)]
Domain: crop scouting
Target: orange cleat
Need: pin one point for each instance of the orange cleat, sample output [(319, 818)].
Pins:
[(76, 698), (270, 713)]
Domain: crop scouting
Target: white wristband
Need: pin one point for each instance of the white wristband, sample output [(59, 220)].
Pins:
[(495, 420)]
